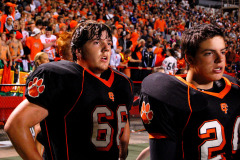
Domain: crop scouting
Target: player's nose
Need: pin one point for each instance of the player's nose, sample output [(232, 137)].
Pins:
[(105, 46), (219, 57)]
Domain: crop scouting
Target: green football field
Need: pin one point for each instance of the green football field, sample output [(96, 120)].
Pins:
[(134, 150)]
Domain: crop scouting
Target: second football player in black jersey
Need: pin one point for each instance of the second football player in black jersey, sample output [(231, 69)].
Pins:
[(196, 117)]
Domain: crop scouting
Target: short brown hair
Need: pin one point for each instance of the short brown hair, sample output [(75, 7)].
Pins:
[(192, 37)]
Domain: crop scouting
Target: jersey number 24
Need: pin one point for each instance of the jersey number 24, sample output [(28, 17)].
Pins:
[(217, 144)]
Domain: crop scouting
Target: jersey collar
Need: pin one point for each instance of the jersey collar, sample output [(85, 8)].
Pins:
[(108, 82), (220, 95)]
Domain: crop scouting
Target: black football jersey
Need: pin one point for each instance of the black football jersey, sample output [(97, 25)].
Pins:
[(204, 124), (87, 114)]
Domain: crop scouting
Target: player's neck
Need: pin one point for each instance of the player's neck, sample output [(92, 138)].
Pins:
[(84, 65), (198, 81)]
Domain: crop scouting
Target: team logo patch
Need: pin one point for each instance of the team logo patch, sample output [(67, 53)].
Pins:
[(35, 87), (111, 96), (224, 107), (146, 113)]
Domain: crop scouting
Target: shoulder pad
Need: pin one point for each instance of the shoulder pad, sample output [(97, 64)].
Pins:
[(233, 80), (121, 74), (171, 91), (61, 67), (165, 88)]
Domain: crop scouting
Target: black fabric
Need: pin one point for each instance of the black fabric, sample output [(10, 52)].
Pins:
[(162, 149)]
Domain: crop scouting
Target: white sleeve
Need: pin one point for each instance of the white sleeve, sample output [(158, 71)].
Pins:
[(118, 60), (42, 39), (112, 58)]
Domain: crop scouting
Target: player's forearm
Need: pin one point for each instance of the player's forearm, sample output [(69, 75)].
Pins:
[(22, 141), (123, 146), (123, 150)]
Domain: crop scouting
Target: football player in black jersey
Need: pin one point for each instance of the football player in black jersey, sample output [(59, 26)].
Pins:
[(196, 117), (83, 107)]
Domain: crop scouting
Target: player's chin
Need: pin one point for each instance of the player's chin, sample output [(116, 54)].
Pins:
[(216, 77), (103, 67)]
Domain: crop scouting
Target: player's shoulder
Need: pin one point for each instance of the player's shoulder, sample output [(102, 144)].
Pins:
[(160, 84), (231, 79), (234, 81), (122, 77), (60, 68), (165, 88)]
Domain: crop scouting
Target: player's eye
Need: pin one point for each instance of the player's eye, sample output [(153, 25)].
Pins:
[(223, 52), (96, 42), (208, 53), (109, 43)]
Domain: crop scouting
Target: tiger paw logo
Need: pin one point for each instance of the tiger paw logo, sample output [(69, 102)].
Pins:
[(35, 87), (146, 113)]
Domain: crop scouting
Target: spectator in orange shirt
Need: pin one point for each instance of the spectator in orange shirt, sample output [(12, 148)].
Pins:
[(160, 23), (157, 51), (34, 44), (134, 36)]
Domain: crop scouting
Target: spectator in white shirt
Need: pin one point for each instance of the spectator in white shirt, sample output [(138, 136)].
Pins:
[(115, 58), (49, 42), (170, 63)]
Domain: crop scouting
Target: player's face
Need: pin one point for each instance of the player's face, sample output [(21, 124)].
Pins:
[(209, 63), (97, 54)]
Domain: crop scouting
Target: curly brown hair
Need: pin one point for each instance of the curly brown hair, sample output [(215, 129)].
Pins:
[(86, 31)]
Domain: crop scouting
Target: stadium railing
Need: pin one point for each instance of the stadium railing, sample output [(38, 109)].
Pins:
[(10, 100)]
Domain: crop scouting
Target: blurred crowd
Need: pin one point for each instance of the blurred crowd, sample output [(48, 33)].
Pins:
[(146, 33)]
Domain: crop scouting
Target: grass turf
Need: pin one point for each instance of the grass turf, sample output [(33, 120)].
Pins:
[(133, 151)]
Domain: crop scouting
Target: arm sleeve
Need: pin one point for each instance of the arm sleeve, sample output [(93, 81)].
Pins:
[(45, 89), (158, 120), (39, 88), (118, 60)]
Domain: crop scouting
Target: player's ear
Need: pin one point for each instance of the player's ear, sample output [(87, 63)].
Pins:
[(189, 59), (78, 54), (38, 62)]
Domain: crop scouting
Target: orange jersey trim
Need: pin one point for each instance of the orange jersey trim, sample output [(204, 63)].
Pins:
[(220, 95), (157, 136), (127, 80), (48, 138), (65, 117), (106, 82), (190, 107)]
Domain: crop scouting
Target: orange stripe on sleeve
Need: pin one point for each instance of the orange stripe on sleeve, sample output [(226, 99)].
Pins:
[(157, 135)]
